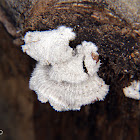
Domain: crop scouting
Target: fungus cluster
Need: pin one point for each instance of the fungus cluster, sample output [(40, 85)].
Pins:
[(60, 77)]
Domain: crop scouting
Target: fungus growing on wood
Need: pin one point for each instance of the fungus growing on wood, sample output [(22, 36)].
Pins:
[(133, 91), (60, 76), (49, 47)]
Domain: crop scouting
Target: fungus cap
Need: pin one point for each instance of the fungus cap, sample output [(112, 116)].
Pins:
[(65, 83)]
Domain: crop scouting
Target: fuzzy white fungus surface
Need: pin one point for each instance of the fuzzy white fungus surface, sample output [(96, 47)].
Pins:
[(60, 77), (49, 47), (133, 91)]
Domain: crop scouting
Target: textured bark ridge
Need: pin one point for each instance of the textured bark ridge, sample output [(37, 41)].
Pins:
[(118, 41)]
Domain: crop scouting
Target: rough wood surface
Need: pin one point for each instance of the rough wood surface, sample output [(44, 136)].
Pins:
[(22, 116)]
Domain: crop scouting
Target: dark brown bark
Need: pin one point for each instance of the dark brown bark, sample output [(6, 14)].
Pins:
[(22, 116)]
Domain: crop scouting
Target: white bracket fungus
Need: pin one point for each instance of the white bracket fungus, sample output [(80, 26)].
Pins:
[(49, 47), (59, 76), (133, 91)]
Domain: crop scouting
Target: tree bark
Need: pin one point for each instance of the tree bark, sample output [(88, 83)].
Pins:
[(117, 36)]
